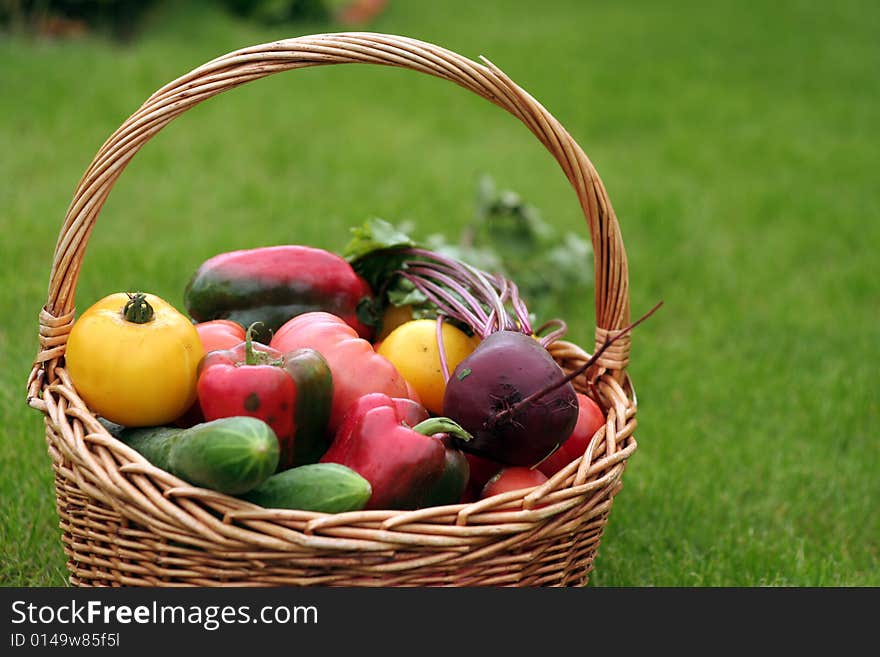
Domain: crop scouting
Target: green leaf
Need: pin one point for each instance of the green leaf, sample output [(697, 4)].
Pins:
[(369, 311), (374, 252), (404, 293), (374, 235)]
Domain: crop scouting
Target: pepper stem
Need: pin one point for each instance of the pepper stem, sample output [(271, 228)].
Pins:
[(442, 425), (137, 310), (251, 355)]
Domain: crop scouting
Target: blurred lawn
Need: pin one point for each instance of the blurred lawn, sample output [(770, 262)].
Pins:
[(738, 144)]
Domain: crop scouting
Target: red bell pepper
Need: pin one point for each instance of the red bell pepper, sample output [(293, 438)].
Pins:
[(452, 485), (357, 369), (407, 466), (290, 391)]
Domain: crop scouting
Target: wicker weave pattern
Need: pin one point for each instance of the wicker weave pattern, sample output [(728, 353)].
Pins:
[(125, 522)]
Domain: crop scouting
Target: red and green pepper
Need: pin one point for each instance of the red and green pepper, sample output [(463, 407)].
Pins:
[(408, 467), (271, 284), (290, 391)]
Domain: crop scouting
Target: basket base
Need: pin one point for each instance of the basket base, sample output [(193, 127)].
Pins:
[(105, 550)]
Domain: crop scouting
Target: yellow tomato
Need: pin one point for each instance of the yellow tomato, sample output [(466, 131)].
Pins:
[(134, 359), (412, 348)]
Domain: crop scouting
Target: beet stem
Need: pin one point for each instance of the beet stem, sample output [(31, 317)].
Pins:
[(556, 334), (441, 348), (470, 274), (441, 297), (522, 312), (466, 293), (468, 298)]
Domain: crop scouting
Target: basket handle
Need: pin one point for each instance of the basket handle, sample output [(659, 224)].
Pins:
[(241, 66)]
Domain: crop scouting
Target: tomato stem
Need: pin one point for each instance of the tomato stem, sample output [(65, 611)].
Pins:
[(137, 310)]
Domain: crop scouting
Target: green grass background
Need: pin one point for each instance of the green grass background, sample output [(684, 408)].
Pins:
[(738, 142)]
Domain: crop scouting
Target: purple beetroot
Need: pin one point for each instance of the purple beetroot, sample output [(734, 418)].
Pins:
[(486, 392)]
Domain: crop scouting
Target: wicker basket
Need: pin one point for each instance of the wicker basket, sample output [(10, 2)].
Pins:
[(127, 523)]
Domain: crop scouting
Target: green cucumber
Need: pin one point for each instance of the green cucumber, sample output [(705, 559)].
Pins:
[(323, 487), (231, 455), (153, 443)]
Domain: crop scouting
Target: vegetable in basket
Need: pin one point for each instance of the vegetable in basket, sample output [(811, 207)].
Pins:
[(513, 477), (506, 368), (451, 486), (407, 466), (231, 455), (271, 284), (291, 391), (355, 367), (220, 334), (509, 393), (590, 419), (320, 487), (133, 359), (481, 471)]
